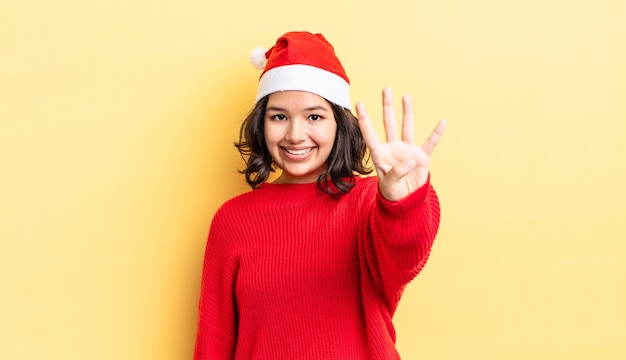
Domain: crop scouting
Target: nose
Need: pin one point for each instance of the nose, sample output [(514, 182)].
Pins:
[(296, 131)]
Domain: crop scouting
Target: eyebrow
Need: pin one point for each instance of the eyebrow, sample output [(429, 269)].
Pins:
[(313, 108)]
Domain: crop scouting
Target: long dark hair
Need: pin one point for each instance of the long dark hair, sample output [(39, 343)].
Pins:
[(347, 158)]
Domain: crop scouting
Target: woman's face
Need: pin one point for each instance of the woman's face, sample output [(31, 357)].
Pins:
[(300, 131)]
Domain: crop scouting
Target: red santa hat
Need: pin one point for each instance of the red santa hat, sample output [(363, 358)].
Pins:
[(302, 61)]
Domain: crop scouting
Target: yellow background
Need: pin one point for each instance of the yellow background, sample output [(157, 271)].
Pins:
[(116, 126)]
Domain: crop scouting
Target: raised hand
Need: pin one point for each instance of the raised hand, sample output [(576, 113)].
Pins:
[(401, 165)]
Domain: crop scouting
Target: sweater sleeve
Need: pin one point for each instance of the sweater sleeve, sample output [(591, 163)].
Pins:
[(397, 238), (216, 336)]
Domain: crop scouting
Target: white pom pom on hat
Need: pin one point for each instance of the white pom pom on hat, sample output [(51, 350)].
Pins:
[(257, 57), (302, 61)]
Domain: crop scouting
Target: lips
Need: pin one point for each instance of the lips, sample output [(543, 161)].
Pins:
[(298, 152), (298, 155)]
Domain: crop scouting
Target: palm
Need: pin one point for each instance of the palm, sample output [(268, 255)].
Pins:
[(402, 166)]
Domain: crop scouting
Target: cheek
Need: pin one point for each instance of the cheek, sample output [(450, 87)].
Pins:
[(269, 134), (272, 137), (330, 134)]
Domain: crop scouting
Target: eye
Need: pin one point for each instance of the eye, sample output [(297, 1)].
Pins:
[(314, 117), (279, 117)]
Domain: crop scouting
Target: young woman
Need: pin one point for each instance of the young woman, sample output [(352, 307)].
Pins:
[(313, 264)]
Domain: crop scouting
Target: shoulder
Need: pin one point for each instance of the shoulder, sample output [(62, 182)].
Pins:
[(238, 203), (367, 181), (365, 186), (363, 194), (267, 196), (229, 223)]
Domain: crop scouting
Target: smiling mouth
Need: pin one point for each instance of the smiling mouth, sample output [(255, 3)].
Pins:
[(298, 152)]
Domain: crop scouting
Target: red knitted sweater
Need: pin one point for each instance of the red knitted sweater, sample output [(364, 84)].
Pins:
[(290, 273)]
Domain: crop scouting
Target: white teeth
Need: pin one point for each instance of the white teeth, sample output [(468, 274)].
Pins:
[(299, 152)]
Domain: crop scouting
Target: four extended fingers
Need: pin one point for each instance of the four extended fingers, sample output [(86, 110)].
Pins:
[(389, 122)]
